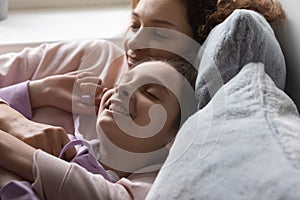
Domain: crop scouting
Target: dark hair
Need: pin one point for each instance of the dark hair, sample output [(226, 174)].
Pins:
[(182, 66), (186, 69), (204, 15)]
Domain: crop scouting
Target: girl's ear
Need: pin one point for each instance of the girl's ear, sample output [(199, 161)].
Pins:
[(171, 137), (170, 143)]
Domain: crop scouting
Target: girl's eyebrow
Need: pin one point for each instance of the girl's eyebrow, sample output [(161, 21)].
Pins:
[(157, 21)]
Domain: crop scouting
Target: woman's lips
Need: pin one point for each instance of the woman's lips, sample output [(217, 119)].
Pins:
[(132, 58), (131, 61)]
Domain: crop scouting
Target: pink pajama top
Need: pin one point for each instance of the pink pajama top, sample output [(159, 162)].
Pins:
[(55, 178)]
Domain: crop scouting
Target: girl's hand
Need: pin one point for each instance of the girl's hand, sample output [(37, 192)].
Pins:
[(40, 136), (72, 93), (48, 138), (91, 90)]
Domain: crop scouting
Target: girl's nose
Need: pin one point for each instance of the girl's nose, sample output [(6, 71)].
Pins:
[(123, 90), (125, 93), (128, 95)]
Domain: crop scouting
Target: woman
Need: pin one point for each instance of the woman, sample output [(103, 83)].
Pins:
[(146, 37), (129, 143)]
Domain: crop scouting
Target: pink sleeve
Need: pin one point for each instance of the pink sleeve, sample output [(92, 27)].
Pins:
[(57, 179), (55, 58), (17, 96)]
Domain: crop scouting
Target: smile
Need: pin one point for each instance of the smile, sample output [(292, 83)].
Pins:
[(117, 107)]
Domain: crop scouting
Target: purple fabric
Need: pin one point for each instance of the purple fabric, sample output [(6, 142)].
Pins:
[(17, 96), (22, 190), (86, 158), (18, 190)]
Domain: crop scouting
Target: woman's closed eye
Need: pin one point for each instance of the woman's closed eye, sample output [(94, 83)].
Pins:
[(161, 34), (134, 27)]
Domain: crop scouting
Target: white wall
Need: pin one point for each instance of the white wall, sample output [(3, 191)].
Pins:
[(21, 4)]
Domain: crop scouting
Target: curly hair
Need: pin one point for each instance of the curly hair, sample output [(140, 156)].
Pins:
[(204, 15)]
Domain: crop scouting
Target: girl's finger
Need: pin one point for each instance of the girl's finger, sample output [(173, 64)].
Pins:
[(90, 89), (89, 79), (82, 108)]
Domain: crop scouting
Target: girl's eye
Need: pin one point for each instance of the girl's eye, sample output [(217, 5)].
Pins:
[(151, 95)]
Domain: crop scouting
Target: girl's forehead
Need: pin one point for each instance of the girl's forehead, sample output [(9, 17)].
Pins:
[(157, 72), (155, 69)]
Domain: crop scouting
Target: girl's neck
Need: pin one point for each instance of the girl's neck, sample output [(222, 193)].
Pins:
[(121, 174)]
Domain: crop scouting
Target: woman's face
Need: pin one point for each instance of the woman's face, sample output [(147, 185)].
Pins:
[(154, 28), (142, 113)]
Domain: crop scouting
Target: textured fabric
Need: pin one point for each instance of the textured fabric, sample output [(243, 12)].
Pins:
[(245, 36), (17, 96), (243, 145)]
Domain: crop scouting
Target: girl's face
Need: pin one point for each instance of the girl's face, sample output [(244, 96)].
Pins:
[(142, 113), (153, 27)]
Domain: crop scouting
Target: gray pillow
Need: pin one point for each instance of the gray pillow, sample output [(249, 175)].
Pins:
[(245, 144), (245, 36)]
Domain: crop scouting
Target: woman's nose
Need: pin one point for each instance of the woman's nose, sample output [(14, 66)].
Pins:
[(137, 40)]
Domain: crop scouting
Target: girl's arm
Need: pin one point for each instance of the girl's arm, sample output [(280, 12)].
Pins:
[(7, 176), (16, 156), (49, 138)]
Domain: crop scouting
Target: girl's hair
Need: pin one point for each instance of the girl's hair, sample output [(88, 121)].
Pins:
[(204, 15), (185, 68)]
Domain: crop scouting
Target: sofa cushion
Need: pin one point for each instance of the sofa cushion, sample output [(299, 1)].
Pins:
[(245, 144), (245, 36)]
